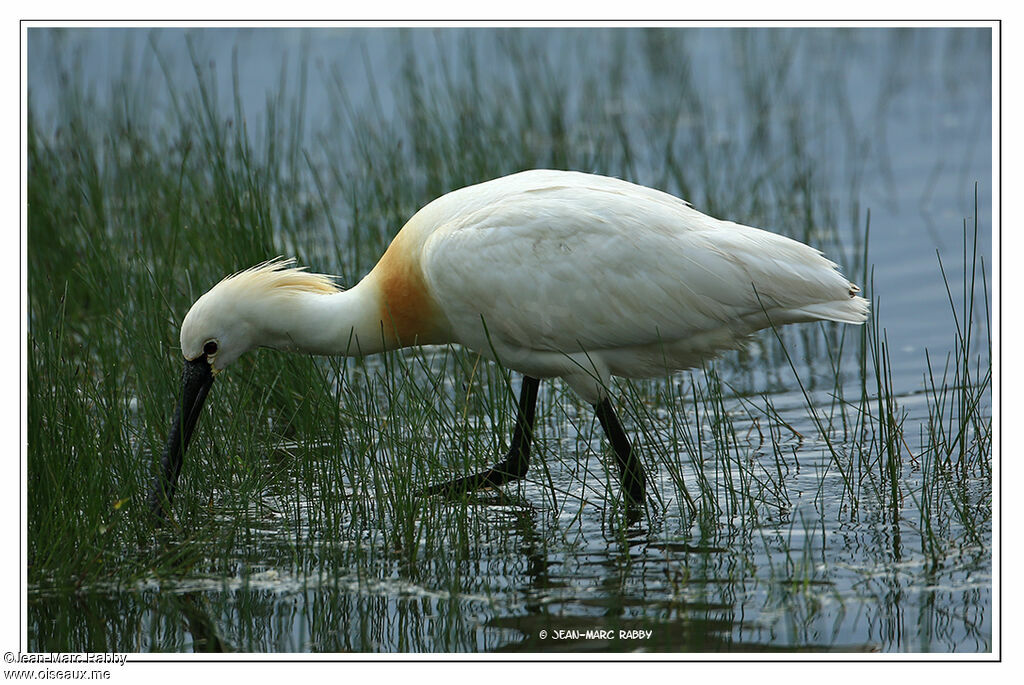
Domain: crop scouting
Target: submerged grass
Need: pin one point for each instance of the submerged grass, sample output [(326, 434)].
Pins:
[(308, 468)]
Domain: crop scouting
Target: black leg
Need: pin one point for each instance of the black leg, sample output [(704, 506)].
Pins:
[(630, 468), (514, 466)]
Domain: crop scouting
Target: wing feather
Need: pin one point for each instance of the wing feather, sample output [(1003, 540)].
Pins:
[(601, 264)]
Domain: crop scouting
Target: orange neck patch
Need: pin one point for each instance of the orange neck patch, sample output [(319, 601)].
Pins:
[(407, 310)]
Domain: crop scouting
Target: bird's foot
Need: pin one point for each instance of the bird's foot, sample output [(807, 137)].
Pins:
[(485, 480)]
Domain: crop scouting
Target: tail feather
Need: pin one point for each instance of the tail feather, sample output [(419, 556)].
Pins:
[(854, 310)]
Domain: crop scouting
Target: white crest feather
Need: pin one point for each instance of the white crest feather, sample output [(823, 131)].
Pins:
[(279, 276)]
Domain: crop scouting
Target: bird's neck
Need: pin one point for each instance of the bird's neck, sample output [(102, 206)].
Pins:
[(346, 323)]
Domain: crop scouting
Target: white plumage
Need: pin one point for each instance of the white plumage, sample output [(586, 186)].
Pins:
[(584, 276), (554, 273)]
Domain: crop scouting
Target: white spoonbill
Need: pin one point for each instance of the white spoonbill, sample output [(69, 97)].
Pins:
[(557, 274)]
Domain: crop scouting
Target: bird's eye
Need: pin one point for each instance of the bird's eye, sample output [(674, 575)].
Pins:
[(210, 348)]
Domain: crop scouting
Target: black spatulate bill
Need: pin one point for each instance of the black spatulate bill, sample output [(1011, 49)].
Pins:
[(196, 379)]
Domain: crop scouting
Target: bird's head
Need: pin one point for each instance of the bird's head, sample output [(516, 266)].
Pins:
[(235, 316), (215, 332), (218, 329)]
